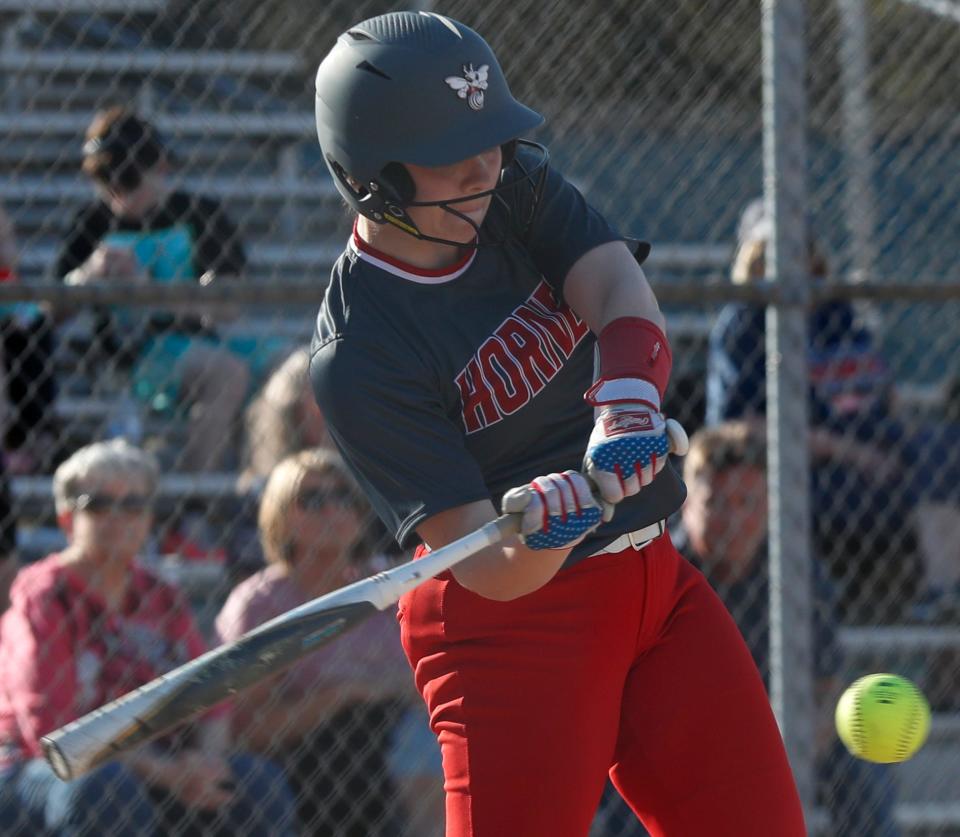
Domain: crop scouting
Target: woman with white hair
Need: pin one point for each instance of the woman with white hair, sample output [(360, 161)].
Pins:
[(89, 624)]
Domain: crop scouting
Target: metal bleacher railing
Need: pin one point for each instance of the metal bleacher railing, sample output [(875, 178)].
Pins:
[(657, 117)]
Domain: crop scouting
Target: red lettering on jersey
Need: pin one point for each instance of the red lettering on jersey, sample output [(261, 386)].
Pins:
[(524, 353), (527, 348), (479, 408), (577, 327), (540, 312), (503, 374)]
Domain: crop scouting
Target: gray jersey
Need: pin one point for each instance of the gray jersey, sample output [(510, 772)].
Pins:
[(445, 387)]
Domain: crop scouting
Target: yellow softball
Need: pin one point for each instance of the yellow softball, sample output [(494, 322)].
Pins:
[(883, 718)]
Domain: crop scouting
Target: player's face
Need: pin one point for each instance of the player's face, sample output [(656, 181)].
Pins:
[(725, 517), (441, 183)]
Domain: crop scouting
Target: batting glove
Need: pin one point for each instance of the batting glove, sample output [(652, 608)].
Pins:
[(559, 510), (629, 443)]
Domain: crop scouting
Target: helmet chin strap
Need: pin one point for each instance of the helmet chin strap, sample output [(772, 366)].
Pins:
[(406, 224), (398, 216)]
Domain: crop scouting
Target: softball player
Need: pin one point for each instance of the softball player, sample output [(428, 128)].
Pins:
[(454, 361)]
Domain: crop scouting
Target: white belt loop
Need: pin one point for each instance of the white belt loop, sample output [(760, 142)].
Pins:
[(640, 538), (637, 539)]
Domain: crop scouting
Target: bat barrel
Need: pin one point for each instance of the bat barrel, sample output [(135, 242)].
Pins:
[(173, 698), (93, 739), (201, 684)]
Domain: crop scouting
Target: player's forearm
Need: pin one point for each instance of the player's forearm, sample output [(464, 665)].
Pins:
[(509, 570), (606, 283), (504, 571)]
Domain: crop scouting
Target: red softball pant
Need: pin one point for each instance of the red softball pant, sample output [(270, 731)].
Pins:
[(625, 663)]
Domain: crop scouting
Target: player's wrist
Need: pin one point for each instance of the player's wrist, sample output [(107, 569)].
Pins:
[(635, 348), (633, 391)]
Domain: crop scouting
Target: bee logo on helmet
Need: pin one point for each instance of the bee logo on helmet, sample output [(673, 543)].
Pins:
[(470, 85)]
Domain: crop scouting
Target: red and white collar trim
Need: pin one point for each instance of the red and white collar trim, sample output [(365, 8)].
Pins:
[(371, 255)]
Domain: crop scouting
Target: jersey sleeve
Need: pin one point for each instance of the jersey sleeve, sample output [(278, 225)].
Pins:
[(219, 247), (393, 431), (81, 237), (564, 228)]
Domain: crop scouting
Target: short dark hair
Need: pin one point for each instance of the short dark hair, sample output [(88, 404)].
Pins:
[(120, 148), (727, 445)]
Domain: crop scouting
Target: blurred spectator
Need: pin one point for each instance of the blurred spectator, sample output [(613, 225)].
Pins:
[(8, 520), (138, 230), (860, 504), (330, 720), (724, 531), (851, 387), (936, 449), (89, 624), (29, 431), (8, 540), (282, 419)]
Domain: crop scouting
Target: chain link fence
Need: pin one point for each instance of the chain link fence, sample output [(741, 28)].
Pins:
[(187, 336)]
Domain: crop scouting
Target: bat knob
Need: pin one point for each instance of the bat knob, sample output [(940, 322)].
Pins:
[(56, 759), (679, 443)]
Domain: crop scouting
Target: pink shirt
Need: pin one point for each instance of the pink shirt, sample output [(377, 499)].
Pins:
[(369, 651), (63, 654)]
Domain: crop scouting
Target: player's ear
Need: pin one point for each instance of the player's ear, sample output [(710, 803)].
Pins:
[(399, 184)]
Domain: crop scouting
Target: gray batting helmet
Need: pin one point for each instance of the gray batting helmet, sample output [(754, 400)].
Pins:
[(411, 87)]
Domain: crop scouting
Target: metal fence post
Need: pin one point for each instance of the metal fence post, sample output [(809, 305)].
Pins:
[(784, 126), (859, 195)]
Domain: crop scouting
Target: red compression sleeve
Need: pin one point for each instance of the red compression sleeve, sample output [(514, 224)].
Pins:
[(632, 347)]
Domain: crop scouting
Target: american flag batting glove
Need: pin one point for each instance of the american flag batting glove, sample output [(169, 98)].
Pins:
[(629, 443), (559, 510)]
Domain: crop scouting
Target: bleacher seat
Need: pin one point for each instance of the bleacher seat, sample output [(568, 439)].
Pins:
[(91, 6), (212, 125), (152, 62)]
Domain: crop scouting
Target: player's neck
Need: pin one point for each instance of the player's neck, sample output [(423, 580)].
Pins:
[(393, 242)]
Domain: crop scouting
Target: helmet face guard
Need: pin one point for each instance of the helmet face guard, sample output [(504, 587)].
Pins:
[(416, 88), (387, 199)]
